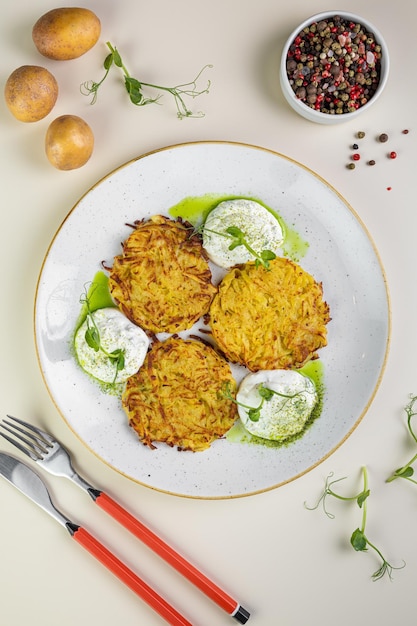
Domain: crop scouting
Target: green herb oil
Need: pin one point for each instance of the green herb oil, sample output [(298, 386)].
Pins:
[(98, 296)]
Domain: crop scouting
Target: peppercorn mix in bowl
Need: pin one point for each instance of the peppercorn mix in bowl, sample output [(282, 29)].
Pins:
[(334, 66)]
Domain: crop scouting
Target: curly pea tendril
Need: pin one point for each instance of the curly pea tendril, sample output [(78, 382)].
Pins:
[(134, 87), (359, 540), (407, 471)]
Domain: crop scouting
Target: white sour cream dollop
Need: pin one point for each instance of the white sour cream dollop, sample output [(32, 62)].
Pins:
[(262, 231), (116, 333), (280, 417)]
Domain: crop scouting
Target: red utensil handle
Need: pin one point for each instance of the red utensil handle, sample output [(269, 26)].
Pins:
[(126, 575), (172, 557)]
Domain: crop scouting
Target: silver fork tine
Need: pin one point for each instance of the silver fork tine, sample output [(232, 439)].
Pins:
[(35, 456), (33, 450), (46, 437)]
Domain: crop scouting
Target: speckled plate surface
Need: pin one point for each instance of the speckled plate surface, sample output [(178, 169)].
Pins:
[(340, 254)]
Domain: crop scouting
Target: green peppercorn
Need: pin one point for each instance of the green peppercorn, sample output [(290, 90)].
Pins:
[(361, 134), (351, 166)]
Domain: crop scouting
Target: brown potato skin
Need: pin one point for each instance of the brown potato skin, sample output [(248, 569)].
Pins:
[(66, 33), (30, 93), (69, 142)]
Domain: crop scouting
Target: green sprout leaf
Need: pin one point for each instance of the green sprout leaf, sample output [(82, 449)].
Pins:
[(108, 61), (92, 338), (134, 89), (265, 393), (362, 497), (404, 472), (117, 59), (254, 414), (358, 540)]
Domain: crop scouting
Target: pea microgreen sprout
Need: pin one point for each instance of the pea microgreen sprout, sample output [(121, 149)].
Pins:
[(93, 340), (238, 238), (358, 540), (134, 87), (266, 394), (407, 471)]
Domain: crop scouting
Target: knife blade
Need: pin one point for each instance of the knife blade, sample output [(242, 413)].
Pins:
[(28, 482)]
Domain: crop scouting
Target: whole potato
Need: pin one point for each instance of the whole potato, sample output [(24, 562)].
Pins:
[(69, 142), (30, 93), (66, 33)]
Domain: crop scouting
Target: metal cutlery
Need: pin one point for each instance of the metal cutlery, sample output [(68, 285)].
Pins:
[(30, 483), (42, 448)]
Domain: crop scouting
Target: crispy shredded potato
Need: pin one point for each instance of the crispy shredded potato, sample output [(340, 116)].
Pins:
[(162, 280), (177, 396), (269, 318)]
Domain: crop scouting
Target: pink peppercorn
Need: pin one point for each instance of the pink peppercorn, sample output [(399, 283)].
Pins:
[(356, 156), (393, 155)]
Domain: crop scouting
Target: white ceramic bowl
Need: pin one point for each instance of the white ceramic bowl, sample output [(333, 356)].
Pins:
[(318, 116)]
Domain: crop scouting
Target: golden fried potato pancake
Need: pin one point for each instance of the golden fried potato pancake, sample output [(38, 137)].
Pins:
[(269, 318), (177, 396), (162, 280)]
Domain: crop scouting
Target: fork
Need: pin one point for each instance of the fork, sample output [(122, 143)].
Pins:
[(42, 448)]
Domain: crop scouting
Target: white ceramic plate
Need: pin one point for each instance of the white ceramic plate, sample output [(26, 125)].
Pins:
[(340, 254)]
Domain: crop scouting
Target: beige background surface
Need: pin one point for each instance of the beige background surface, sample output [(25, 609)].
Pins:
[(287, 565)]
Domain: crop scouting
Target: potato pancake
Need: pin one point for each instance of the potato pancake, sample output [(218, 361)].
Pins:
[(176, 397), (162, 280), (269, 318)]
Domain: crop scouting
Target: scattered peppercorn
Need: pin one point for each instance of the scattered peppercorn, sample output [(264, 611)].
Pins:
[(355, 146), (389, 188), (351, 166), (361, 134), (405, 131), (383, 137), (393, 155), (334, 65), (356, 156), (371, 162)]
